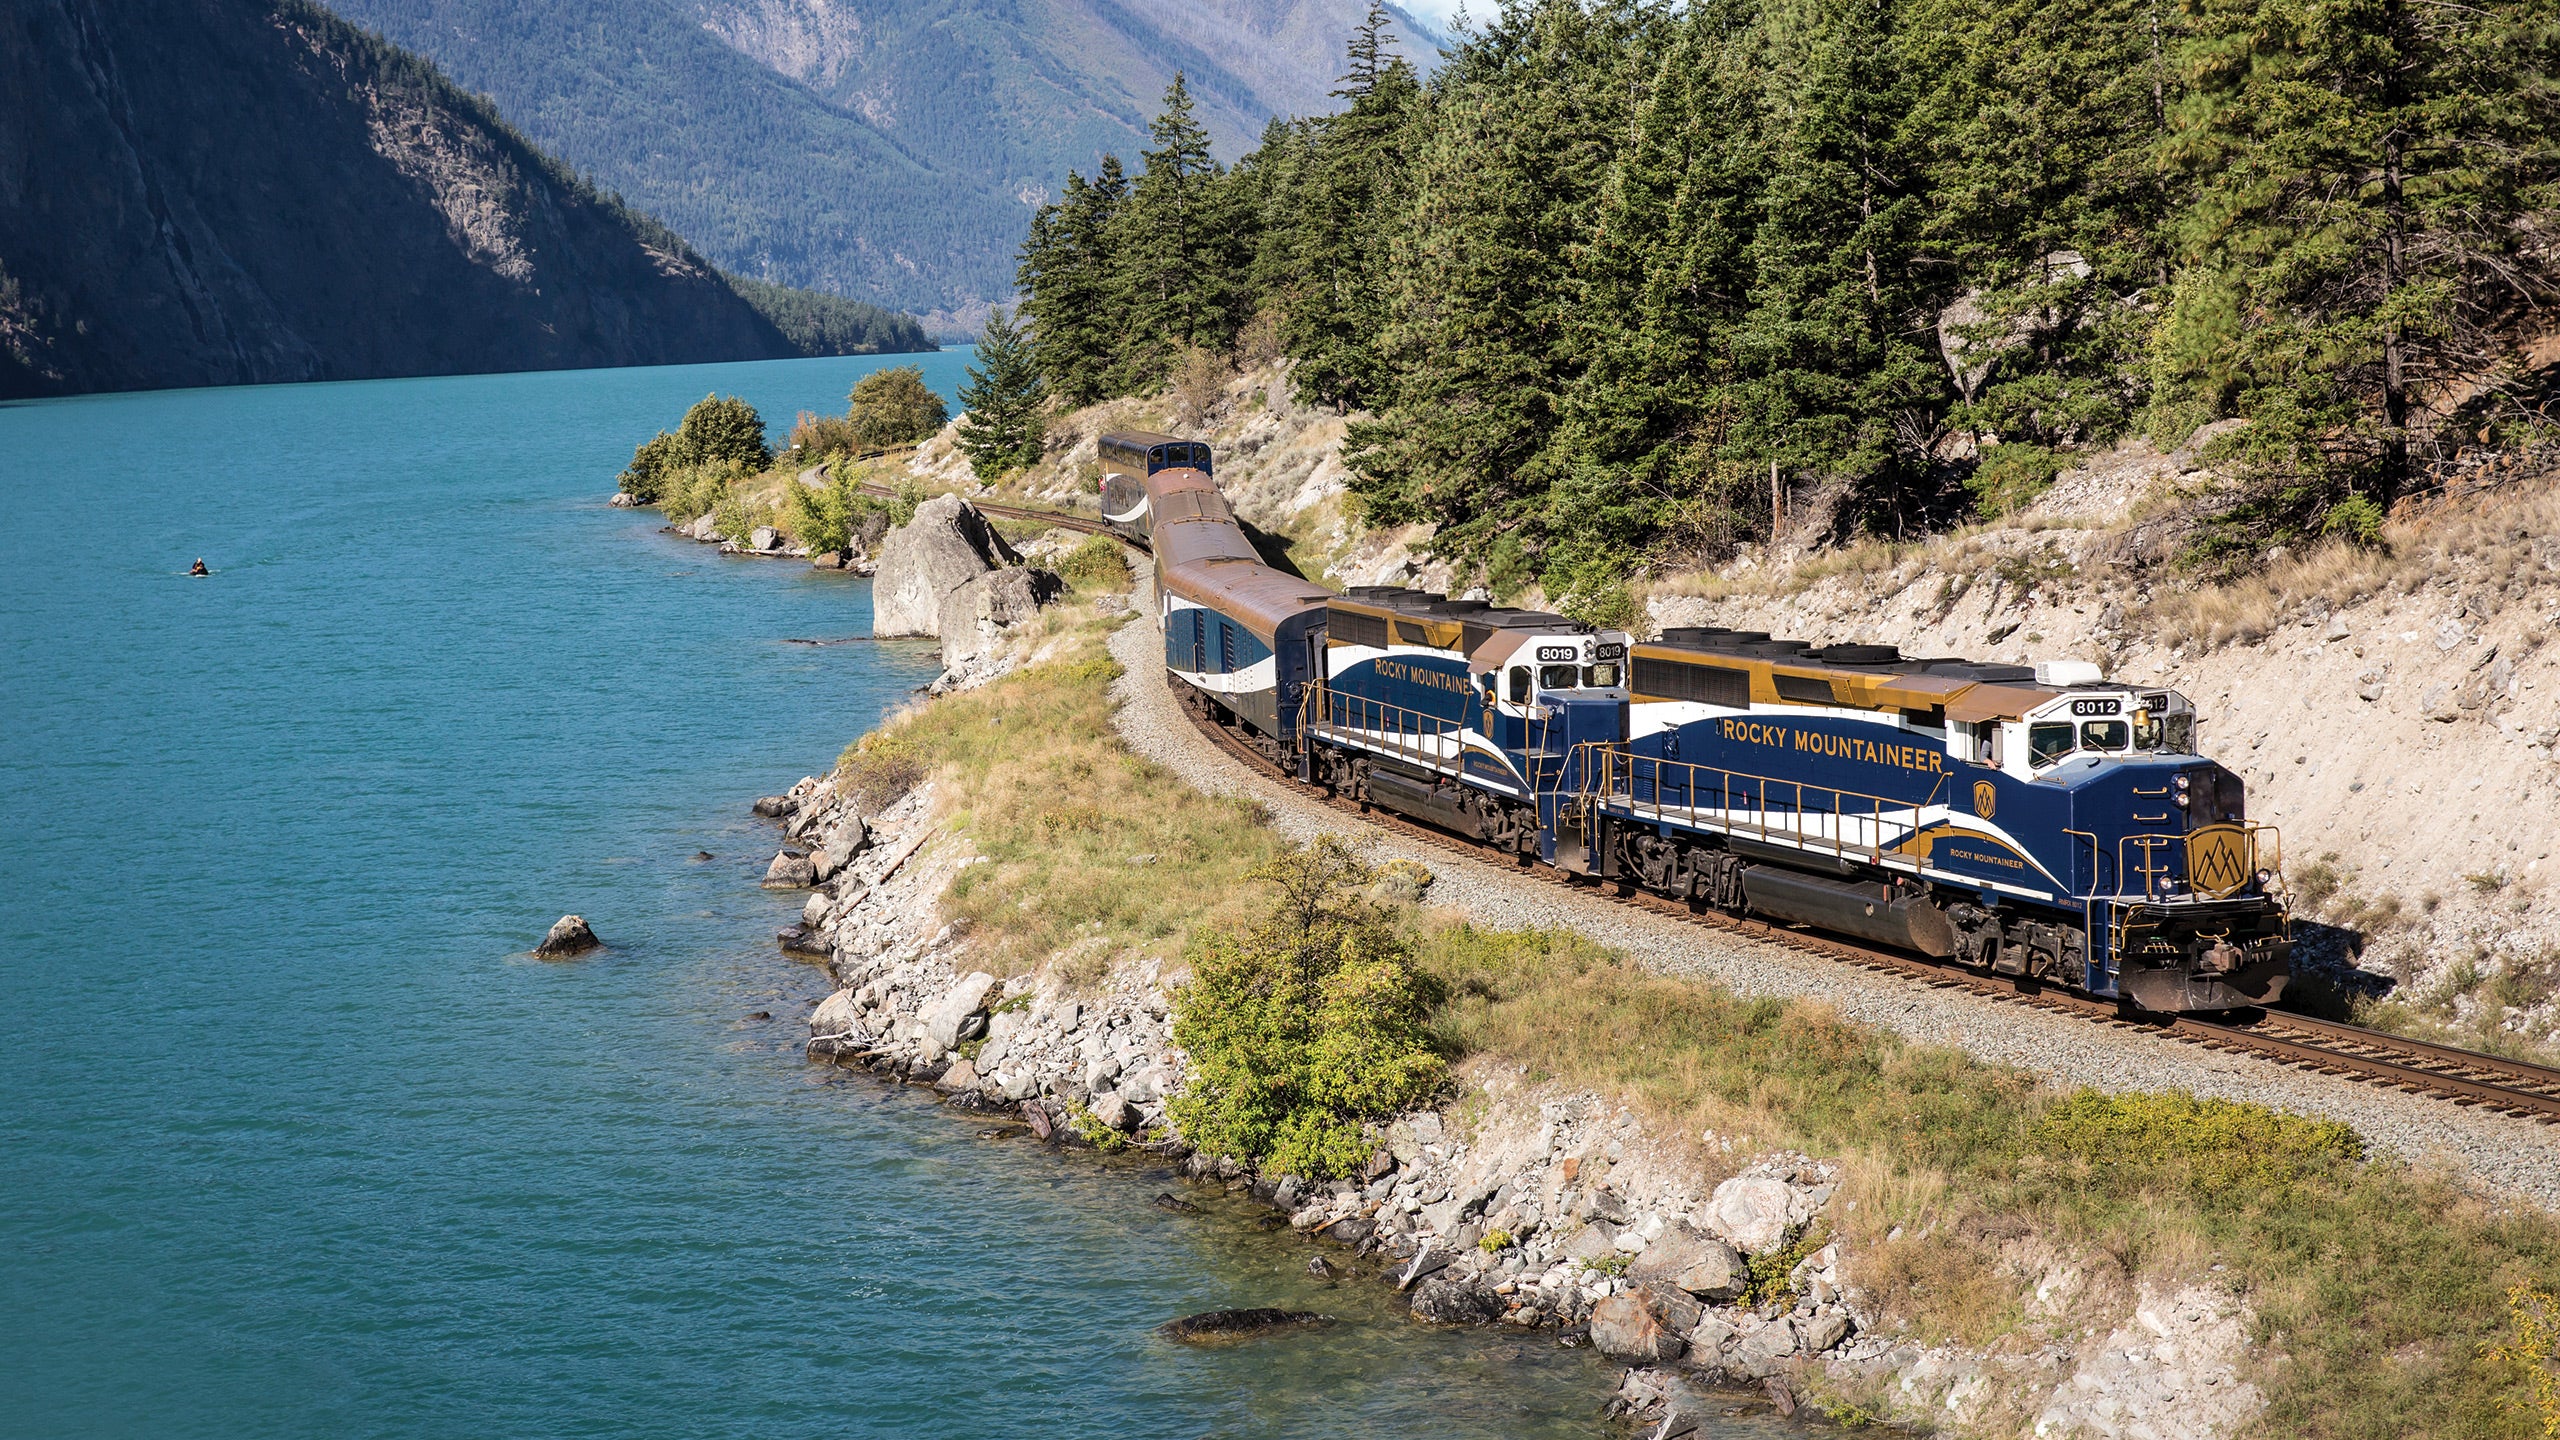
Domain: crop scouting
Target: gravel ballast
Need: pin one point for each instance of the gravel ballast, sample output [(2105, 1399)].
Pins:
[(2514, 1157)]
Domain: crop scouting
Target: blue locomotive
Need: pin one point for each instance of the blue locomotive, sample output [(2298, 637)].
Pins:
[(2035, 822)]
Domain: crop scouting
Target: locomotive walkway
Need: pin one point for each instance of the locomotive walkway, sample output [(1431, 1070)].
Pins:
[(2504, 1152)]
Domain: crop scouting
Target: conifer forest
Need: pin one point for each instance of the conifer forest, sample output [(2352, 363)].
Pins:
[(1623, 282)]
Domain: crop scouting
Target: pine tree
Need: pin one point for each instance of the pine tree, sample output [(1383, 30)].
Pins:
[(2362, 175), (1181, 246), (1481, 307), (1070, 278), (1645, 428), (1004, 425), (1844, 386), (1333, 304), (2039, 123)]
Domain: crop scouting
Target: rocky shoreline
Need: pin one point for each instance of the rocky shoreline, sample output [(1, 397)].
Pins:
[(1541, 1208), (1717, 1272)]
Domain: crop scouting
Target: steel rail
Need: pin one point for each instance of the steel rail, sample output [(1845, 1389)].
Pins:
[(2420, 1067), (1064, 520)]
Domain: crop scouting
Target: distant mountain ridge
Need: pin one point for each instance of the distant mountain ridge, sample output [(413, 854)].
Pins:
[(199, 192), (888, 149)]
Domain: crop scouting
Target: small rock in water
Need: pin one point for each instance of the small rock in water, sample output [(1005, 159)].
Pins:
[(569, 936), (699, 856), (773, 805), (1215, 1325), (761, 1015), (1321, 1268), (1176, 1204)]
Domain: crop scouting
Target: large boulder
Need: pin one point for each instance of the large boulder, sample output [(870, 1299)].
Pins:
[(790, 870), (951, 1016), (1624, 1327), (1700, 1264), (947, 545), (1752, 1211), (1765, 1350), (838, 1014), (978, 613)]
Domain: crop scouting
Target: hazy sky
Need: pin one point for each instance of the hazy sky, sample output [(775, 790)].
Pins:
[(1441, 12)]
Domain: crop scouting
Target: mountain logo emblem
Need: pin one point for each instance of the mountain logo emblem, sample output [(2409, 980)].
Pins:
[(2218, 860), (1986, 798)]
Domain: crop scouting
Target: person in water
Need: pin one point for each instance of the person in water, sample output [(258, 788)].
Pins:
[(199, 570)]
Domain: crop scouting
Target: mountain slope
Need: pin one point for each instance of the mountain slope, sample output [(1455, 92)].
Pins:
[(231, 191), (890, 149)]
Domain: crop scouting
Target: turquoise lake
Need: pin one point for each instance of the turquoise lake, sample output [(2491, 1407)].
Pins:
[(296, 1141)]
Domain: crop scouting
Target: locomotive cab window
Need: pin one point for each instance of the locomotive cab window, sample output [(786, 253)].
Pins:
[(2048, 743), (1979, 743), (2104, 735), (1600, 677), (1559, 677), (1519, 684)]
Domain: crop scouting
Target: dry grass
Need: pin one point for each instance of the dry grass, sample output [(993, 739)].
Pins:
[(1989, 1175), (1090, 852), (2480, 545)]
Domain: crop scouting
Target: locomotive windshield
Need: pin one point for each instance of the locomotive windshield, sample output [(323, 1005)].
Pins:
[(2160, 723)]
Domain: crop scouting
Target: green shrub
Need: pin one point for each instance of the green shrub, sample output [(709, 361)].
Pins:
[(2356, 518), (726, 432), (2131, 1144), (818, 436), (1097, 564), (697, 490), (1306, 1025), (2010, 477), (895, 407), (826, 518), (737, 517), (645, 478)]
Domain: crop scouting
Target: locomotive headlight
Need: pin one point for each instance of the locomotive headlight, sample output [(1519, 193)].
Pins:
[(2183, 781), (2181, 796), (2265, 878)]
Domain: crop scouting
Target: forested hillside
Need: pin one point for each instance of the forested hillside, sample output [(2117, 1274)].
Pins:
[(198, 192), (1615, 267), (885, 149)]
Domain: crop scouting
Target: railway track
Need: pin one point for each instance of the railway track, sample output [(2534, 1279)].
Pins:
[(2417, 1067), (1063, 519)]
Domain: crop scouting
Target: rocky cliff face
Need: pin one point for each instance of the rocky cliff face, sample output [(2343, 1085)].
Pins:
[(198, 192)]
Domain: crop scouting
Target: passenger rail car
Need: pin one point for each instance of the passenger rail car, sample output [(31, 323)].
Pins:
[(1238, 634), (1129, 458), (2030, 821)]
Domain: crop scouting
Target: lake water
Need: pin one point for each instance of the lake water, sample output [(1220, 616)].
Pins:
[(295, 1141)]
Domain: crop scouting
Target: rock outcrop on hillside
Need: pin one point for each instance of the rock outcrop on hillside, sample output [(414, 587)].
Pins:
[(944, 546), (206, 192)]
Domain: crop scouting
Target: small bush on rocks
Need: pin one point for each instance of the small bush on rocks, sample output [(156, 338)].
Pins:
[(2010, 477), (1096, 565), (1306, 1025)]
